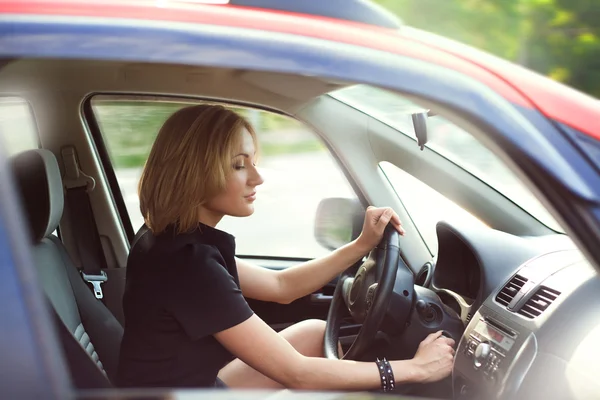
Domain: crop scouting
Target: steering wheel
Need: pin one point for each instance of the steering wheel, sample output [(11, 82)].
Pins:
[(366, 295)]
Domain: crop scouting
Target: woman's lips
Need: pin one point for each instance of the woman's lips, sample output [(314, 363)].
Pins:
[(251, 196)]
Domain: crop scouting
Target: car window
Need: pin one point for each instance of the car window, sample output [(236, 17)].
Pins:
[(449, 141), (17, 126), (297, 168), (425, 205)]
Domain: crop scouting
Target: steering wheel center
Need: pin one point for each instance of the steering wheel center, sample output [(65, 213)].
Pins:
[(357, 284), (360, 292)]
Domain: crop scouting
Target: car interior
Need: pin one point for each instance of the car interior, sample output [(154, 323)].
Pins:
[(515, 293)]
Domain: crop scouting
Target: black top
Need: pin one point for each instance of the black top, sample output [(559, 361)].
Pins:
[(180, 290)]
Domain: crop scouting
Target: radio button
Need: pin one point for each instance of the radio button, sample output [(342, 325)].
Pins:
[(470, 347)]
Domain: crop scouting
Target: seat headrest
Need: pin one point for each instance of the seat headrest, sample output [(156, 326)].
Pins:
[(38, 179)]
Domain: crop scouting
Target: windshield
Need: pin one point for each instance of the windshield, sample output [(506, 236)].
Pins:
[(448, 140)]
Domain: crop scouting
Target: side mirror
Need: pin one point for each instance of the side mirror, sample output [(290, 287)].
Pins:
[(338, 222)]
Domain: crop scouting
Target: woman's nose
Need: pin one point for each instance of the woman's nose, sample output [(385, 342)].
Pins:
[(256, 178)]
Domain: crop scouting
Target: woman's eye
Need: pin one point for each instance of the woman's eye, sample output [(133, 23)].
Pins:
[(238, 167)]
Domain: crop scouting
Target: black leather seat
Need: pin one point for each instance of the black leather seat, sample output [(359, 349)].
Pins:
[(98, 332)]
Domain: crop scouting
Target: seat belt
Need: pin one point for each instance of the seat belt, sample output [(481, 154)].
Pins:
[(82, 220)]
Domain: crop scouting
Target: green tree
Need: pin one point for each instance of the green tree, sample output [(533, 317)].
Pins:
[(558, 38)]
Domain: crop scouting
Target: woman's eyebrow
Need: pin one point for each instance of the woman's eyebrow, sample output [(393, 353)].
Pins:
[(242, 154)]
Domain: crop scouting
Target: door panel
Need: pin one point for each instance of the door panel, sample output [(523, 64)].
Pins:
[(279, 316), (314, 306)]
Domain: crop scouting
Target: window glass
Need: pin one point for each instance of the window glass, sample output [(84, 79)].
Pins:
[(425, 205), (449, 141), (17, 126), (297, 168)]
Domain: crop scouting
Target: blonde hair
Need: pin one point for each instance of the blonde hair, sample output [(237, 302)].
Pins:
[(188, 165)]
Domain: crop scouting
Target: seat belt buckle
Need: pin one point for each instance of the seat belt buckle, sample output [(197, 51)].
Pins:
[(96, 281)]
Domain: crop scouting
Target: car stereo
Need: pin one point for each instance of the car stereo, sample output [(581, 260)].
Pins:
[(487, 346), (485, 354)]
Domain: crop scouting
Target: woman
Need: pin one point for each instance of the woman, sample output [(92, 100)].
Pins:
[(186, 317)]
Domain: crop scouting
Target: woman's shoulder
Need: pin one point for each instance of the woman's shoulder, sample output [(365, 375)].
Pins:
[(170, 249)]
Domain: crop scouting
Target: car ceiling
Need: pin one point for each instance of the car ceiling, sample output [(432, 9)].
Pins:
[(79, 77)]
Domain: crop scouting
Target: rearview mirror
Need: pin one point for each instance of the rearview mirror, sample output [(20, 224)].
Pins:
[(419, 120), (338, 222)]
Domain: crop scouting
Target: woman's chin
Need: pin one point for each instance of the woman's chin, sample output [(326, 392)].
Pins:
[(245, 212)]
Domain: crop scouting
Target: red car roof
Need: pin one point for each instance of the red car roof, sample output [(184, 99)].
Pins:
[(516, 84)]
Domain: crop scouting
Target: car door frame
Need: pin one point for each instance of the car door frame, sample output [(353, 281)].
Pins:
[(278, 316)]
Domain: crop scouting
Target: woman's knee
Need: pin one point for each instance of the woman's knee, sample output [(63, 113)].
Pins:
[(307, 337), (316, 326)]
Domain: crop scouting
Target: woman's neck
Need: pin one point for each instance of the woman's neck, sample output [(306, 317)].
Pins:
[(210, 218)]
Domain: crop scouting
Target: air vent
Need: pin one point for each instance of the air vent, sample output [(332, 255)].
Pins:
[(424, 276), (537, 303), (469, 318), (509, 291)]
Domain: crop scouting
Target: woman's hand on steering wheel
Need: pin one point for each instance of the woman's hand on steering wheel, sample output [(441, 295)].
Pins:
[(376, 219)]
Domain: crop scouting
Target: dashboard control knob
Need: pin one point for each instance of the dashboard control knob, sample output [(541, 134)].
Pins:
[(421, 306), (425, 310), (482, 353), (464, 390)]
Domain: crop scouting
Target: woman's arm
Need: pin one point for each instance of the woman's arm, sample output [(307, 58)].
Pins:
[(256, 344), (303, 279), (300, 280)]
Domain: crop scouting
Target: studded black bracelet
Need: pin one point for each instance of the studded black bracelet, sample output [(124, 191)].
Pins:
[(386, 375)]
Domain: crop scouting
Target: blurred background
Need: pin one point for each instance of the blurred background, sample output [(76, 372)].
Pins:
[(557, 38)]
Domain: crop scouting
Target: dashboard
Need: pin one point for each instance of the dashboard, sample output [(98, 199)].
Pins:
[(531, 307)]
